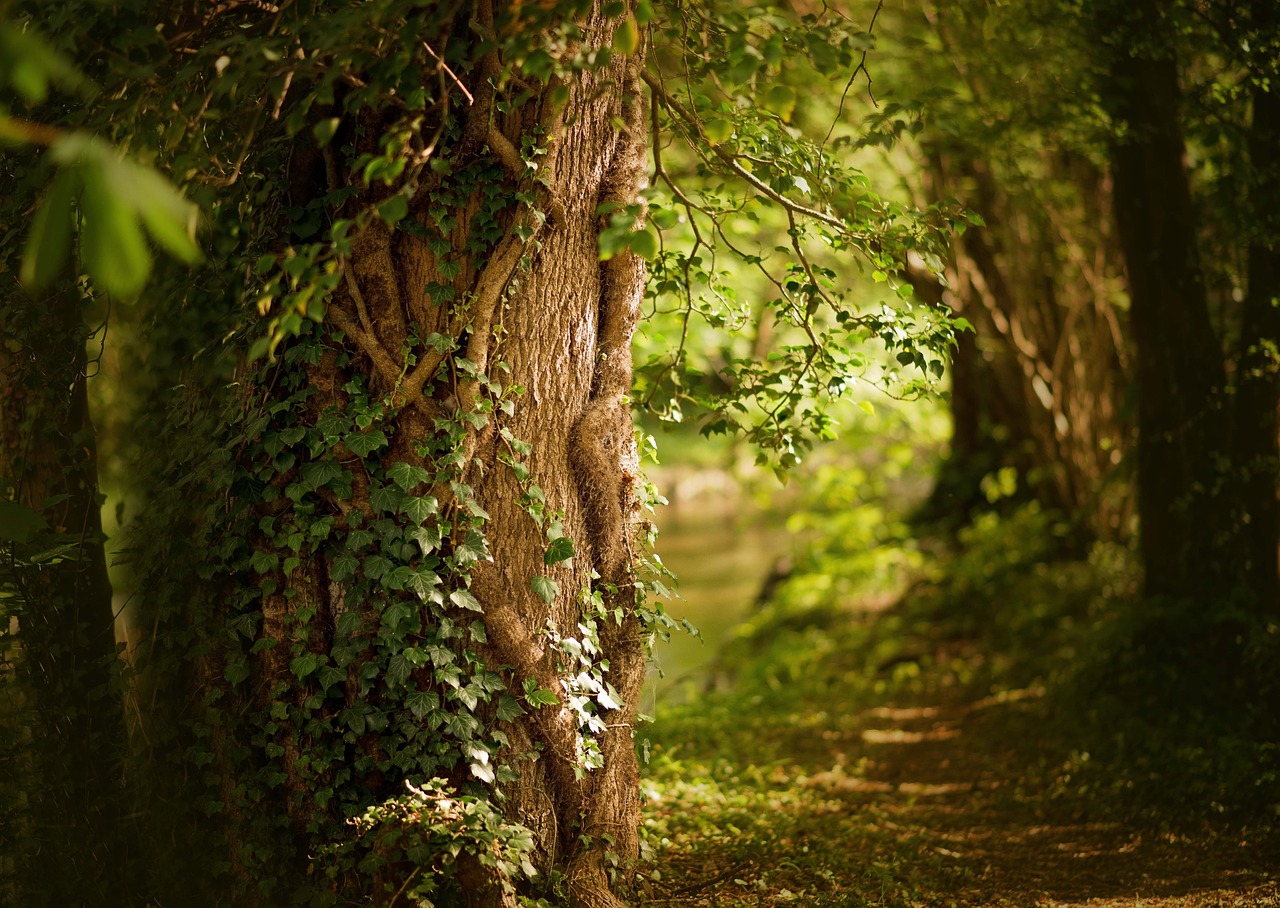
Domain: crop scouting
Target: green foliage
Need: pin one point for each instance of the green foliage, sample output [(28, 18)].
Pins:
[(423, 834), (775, 255), (110, 197)]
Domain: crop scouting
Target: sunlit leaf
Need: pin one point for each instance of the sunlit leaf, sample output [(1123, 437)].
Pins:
[(50, 236)]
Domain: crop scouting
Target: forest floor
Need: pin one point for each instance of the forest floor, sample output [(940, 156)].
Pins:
[(897, 785)]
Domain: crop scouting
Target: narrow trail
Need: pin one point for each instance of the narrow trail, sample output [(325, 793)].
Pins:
[(932, 770), (919, 802)]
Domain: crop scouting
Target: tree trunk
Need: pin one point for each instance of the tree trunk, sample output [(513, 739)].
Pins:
[(1178, 363), (64, 675), (1256, 436), (406, 487)]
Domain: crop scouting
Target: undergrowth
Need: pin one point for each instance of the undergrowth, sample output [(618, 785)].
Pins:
[(1088, 719)]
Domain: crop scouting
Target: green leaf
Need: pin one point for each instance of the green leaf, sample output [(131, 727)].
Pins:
[(264, 561), (115, 252), (324, 131), (541, 697), (170, 219), (421, 702), (509, 708), (546, 588), (644, 243), (50, 236), (19, 523), (626, 40), (376, 567), (472, 549), (362, 445), (419, 509), (394, 209), (427, 538), (406, 475), (303, 665), (398, 669), (780, 100), (717, 131), (560, 550), (385, 499), (465, 599)]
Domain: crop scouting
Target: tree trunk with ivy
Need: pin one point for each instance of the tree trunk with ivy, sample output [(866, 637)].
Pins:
[(435, 494)]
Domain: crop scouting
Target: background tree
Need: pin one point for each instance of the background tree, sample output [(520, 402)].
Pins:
[(996, 101)]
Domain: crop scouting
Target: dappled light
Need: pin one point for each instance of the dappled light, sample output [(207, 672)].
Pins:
[(624, 453)]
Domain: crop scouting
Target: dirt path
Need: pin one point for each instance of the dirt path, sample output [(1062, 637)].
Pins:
[(914, 806), (932, 769)]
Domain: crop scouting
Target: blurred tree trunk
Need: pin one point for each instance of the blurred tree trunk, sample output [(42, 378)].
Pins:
[(1039, 385), (1179, 366), (1256, 436), (67, 834)]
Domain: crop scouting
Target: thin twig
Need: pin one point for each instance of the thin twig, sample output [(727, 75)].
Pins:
[(860, 68), (445, 66)]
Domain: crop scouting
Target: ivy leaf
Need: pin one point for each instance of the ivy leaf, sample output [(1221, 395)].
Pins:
[(472, 549), (303, 665), (399, 578), (421, 702), (398, 669), (546, 588), (237, 671), (465, 599), (509, 708), (377, 567), (385, 499), (427, 538), (364, 444), (264, 561), (406, 475), (541, 697), (419, 509), (607, 698), (349, 623), (561, 549)]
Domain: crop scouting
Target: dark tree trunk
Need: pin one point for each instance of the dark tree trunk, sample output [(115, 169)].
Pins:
[(1178, 361), (65, 665), (1256, 436)]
